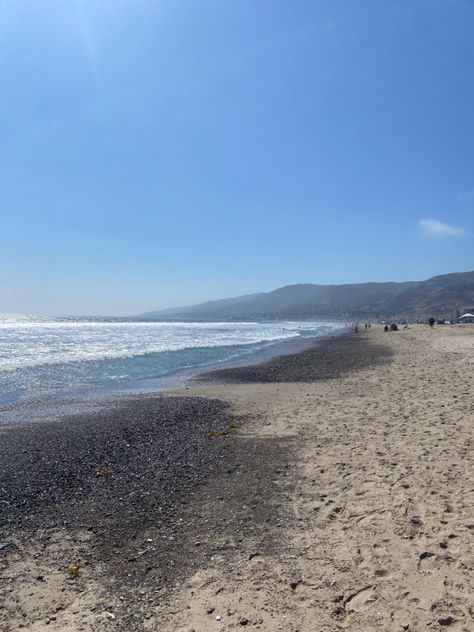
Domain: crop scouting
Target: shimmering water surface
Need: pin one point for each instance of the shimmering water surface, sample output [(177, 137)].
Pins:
[(60, 357)]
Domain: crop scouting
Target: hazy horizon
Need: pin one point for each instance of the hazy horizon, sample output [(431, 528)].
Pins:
[(205, 300), (166, 154)]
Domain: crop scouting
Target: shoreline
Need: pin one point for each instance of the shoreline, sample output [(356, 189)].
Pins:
[(57, 407), (313, 516), (81, 475), (327, 358)]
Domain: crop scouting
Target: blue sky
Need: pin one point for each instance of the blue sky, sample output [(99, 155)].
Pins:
[(159, 153)]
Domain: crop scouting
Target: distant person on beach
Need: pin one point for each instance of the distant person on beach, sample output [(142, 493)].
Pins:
[(386, 328), (431, 322)]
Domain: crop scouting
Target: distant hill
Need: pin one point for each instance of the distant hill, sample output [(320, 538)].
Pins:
[(439, 296)]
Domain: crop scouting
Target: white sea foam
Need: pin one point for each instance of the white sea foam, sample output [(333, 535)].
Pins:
[(27, 341)]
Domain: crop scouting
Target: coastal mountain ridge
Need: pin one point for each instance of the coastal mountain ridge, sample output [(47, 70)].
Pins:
[(439, 296)]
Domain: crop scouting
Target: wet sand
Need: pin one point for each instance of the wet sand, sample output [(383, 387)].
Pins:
[(343, 501)]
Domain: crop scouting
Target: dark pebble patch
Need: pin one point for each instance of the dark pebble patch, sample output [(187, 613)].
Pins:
[(131, 460), (161, 484), (329, 358)]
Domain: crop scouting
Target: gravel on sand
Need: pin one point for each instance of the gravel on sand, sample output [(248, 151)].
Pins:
[(160, 483), (328, 358)]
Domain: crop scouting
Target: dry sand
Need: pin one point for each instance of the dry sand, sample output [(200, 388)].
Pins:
[(383, 500), (373, 509)]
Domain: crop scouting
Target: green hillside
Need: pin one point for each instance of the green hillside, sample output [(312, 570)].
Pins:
[(438, 296)]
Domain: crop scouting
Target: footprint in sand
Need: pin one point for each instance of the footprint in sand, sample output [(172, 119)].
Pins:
[(360, 600)]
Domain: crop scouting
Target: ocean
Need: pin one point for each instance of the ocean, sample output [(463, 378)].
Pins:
[(58, 358)]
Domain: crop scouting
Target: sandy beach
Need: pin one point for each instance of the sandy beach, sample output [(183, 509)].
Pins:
[(325, 491)]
